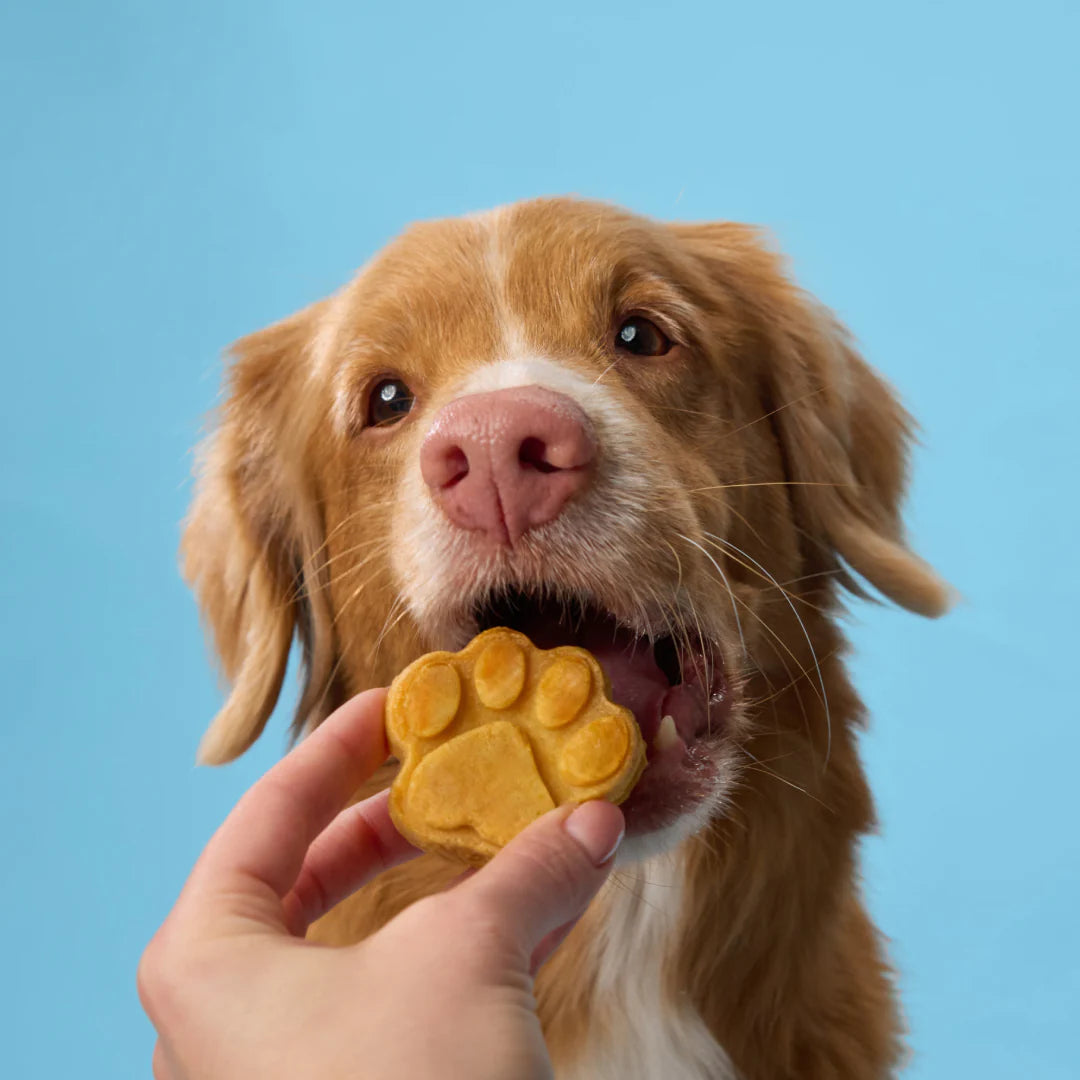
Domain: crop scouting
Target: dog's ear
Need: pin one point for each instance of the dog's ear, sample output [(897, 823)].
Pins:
[(844, 435), (252, 535)]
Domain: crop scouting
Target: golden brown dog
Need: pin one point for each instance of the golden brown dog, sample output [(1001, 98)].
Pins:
[(635, 436)]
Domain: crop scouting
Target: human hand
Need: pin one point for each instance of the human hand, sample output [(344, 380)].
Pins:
[(444, 989)]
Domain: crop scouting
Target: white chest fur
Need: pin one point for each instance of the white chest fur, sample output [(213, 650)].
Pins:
[(648, 1034)]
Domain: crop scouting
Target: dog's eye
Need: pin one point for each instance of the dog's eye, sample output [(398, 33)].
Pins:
[(390, 400), (642, 338)]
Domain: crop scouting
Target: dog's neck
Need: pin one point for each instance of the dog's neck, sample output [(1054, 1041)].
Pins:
[(644, 1026)]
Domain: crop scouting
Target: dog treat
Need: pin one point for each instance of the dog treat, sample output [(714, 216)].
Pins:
[(492, 737)]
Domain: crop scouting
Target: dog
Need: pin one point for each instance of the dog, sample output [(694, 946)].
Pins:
[(642, 438)]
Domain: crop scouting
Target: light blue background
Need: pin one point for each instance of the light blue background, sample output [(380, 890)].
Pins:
[(175, 175)]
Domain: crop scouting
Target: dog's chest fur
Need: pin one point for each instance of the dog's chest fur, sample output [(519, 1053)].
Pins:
[(645, 1031)]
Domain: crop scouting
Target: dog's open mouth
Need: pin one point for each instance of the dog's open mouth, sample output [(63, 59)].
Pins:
[(674, 685)]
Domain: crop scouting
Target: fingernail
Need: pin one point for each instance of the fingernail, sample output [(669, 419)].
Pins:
[(598, 827)]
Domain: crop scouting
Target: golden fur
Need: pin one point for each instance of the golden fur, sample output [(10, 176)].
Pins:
[(763, 427)]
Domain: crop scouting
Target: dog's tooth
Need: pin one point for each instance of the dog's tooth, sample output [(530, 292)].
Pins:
[(666, 735)]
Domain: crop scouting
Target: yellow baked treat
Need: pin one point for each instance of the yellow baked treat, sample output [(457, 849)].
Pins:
[(492, 737)]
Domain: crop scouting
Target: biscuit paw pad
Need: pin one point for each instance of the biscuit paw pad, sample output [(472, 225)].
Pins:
[(493, 736)]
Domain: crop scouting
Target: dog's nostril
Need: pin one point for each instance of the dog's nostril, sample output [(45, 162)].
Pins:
[(457, 466), (533, 453)]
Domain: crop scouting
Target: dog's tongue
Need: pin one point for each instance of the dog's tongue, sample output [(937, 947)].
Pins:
[(636, 681)]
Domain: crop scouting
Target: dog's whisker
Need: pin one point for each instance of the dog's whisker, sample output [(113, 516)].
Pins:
[(745, 521), (604, 372), (386, 631), (357, 589), (782, 598), (706, 654), (759, 766), (705, 840), (772, 412), (362, 546), (341, 612), (727, 585), (789, 597), (380, 544), (809, 577), (755, 702), (807, 725), (344, 523), (619, 878), (786, 756), (809, 642), (770, 483), (787, 671), (694, 412), (678, 564), (302, 589), (312, 564)]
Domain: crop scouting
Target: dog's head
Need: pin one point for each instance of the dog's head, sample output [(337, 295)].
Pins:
[(601, 430)]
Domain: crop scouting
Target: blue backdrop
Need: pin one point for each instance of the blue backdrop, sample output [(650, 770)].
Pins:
[(175, 175)]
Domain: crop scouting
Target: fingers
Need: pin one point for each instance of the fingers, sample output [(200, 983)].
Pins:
[(545, 877), (358, 844), (254, 858)]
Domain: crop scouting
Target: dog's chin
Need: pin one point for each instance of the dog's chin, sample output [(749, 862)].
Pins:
[(677, 793), (647, 844), (676, 687)]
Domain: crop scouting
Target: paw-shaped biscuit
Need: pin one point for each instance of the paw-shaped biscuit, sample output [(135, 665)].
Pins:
[(492, 737)]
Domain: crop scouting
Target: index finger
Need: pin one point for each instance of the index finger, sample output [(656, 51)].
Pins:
[(259, 849)]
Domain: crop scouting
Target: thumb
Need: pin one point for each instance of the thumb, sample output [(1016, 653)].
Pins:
[(546, 876)]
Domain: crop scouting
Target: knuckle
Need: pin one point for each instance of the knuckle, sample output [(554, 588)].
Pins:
[(148, 973), (161, 976)]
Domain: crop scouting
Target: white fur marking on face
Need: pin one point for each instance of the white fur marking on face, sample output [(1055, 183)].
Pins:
[(644, 1035), (325, 341), (523, 369)]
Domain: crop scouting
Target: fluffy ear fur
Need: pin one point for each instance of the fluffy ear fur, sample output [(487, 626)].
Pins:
[(251, 540), (843, 433)]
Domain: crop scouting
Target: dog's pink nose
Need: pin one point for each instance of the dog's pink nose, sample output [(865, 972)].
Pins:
[(506, 461)]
